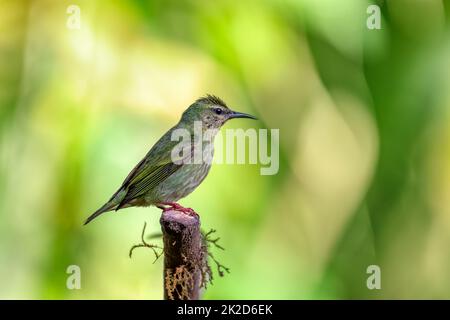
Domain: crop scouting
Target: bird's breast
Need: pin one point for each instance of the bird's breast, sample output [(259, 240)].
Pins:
[(182, 182), (186, 179)]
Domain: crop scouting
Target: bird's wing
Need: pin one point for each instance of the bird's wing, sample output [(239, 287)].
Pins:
[(150, 172), (148, 178)]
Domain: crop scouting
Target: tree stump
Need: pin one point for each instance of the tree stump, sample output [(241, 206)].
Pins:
[(184, 256)]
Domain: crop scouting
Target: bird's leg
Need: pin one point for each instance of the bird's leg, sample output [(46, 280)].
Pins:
[(177, 207), (160, 206)]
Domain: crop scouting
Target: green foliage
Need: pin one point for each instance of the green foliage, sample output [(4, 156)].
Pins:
[(364, 143)]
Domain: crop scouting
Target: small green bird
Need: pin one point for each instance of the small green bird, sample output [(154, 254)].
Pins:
[(159, 180)]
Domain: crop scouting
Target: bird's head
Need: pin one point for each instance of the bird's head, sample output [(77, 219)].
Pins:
[(212, 112)]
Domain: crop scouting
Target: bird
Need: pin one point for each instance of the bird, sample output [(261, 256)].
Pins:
[(161, 179)]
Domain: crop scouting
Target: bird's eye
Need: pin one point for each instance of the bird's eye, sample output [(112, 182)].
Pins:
[(218, 110)]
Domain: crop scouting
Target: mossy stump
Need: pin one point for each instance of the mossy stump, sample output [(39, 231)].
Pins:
[(184, 256)]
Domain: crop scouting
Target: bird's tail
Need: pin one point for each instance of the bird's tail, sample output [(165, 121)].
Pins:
[(110, 205)]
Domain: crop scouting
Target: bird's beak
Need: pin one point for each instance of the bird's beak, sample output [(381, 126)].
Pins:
[(235, 114)]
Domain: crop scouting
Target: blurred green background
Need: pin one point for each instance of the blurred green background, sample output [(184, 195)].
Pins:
[(364, 143)]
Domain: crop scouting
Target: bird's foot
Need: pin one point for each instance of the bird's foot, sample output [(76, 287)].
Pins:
[(177, 207)]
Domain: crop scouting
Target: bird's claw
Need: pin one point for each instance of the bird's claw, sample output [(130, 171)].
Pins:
[(188, 211), (178, 207)]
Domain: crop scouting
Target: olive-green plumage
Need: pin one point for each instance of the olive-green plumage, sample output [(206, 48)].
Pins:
[(158, 179)]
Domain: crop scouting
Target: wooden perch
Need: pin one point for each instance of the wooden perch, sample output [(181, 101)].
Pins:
[(186, 251), (185, 256)]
